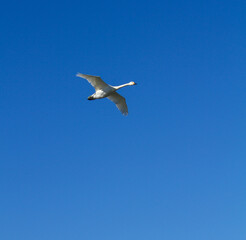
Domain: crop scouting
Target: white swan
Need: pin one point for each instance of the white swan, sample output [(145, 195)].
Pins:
[(104, 90)]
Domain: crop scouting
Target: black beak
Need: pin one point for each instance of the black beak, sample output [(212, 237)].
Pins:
[(90, 98)]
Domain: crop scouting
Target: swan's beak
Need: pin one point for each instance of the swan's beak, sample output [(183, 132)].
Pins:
[(90, 98), (135, 83)]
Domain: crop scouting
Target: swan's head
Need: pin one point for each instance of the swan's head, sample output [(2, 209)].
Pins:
[(133, 83)]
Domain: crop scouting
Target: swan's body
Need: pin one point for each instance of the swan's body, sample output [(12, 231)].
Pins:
[(103, 90)]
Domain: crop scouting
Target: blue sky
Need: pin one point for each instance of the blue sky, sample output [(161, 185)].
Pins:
[(76, 169)]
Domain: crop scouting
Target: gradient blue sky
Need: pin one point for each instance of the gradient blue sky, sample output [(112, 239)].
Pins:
[(175, 168)]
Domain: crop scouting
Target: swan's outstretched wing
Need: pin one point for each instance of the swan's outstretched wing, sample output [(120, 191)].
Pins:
[(119, 101), (95, 81)]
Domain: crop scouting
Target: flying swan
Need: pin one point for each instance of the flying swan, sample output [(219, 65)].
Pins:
[(103, 90)]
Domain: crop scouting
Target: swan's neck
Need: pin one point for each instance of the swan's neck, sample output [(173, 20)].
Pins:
[(123, 85)]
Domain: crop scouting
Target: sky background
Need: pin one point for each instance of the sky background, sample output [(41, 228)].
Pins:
[(174, 168)]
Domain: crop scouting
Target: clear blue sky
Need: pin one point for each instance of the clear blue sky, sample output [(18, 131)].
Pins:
[(74, 169)]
